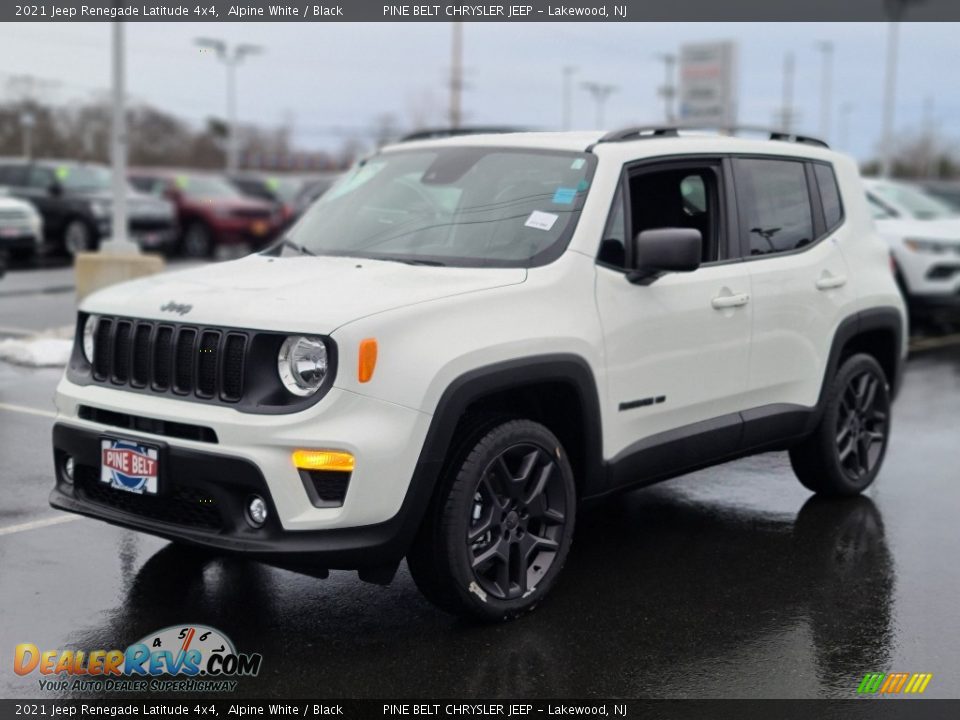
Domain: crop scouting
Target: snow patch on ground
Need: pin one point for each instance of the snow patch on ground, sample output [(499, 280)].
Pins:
[(50, 348)]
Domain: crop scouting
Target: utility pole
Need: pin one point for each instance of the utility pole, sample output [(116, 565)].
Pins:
[(120, 240), (231, 57), (930, 168), (895, 12), (846, 109), (456, 76), (566, 118), (826, 88), (668, 91), (600, 93), (787, 113)]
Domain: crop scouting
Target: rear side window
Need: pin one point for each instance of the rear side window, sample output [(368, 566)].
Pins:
[(774, 204), (829, 195)]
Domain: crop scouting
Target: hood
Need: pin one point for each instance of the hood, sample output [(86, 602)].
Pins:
[(295, 294), (948, 230)]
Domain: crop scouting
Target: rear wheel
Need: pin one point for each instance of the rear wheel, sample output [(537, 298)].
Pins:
[(499, 531), (845, 452)]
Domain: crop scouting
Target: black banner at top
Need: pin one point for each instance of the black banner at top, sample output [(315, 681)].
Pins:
[(520, 11)]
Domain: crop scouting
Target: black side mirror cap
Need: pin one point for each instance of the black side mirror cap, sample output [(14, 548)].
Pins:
[(664, 250)]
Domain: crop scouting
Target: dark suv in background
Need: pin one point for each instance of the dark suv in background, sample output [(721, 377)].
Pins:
[(75, 200), (212, 213)]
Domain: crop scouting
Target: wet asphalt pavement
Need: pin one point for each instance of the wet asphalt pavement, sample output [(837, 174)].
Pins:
[(733, 582)]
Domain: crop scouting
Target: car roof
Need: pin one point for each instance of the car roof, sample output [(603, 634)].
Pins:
[(683, 142)]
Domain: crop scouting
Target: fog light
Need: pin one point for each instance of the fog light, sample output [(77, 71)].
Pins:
[(257, 511), (68, 469)]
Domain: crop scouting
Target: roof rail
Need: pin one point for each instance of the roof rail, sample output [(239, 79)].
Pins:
[(436, 133), (641, 132)]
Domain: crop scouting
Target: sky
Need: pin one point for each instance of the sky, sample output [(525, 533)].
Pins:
[(331, 81)]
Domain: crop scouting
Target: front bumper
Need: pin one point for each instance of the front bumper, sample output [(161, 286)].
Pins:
[(202, 502), (207, 480), (19, 240)]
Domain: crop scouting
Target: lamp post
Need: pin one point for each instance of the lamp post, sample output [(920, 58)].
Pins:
[(567, 113), (826, 88), (120, 240), (600, 92), (231, 57)]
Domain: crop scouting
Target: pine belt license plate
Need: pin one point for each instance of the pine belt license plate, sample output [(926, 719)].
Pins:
[(129, 465)]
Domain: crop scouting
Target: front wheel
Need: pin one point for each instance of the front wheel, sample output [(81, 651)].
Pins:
[(78, 237), (845, 452), (197, 240), (499, 531)]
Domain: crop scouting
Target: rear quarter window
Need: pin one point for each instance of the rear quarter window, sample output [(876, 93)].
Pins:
[(829, 195)]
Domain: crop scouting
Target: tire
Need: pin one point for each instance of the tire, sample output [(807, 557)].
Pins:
[(501, 524), (845, 452), (78, 237), (197, 240)]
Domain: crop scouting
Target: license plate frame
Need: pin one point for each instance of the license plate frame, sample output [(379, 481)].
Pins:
[(137, 480)]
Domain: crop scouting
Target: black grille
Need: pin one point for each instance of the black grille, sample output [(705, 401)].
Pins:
[(204, 362), (180, 504)]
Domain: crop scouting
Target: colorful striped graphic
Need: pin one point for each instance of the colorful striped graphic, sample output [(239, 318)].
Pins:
[(894, 683)]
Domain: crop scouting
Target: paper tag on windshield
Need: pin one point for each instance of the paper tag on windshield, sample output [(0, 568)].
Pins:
[(541, 220)]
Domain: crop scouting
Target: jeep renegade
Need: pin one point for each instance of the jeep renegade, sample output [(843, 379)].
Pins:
[(467, 338)]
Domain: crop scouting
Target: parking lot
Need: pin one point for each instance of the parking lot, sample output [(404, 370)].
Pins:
[(732, 582)]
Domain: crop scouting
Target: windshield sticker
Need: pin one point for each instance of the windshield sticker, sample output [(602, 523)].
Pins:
[(578, 163), (273, 183), (541, 220), (582, 186), (182, 182), (62, 172), (564, 196)]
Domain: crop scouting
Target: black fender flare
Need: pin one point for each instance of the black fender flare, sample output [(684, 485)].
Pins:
[(478, 383)]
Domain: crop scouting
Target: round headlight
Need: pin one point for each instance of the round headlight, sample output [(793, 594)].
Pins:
[(89, 332), (302, 364)]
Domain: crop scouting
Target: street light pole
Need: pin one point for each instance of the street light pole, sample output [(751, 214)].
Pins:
[(456, 76), (120, 241), (567, 113), (669, 91), (600, 92), (231, 58), (826, 89), (890, 91)]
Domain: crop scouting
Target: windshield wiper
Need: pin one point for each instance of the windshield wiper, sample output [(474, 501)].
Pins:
[(411, 261), (287, 242)]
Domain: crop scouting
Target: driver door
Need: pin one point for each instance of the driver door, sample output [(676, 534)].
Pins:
[(677, 350)]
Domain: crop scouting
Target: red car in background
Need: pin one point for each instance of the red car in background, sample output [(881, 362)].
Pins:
[(212, 213)]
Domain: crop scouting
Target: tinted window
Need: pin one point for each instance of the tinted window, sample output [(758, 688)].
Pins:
[(829, 195), (774, 205), (40, 178), (12, 175)]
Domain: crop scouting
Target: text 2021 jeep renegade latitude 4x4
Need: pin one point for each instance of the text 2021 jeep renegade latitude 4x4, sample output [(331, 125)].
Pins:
[(466, 338)]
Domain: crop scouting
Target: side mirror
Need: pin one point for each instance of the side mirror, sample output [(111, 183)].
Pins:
[(55, 189), (664, 250)]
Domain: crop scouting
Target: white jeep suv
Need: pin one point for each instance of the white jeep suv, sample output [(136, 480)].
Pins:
[(923, 232), (466, 338)]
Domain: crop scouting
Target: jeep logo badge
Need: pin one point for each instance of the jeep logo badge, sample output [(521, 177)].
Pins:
[(176, 307)]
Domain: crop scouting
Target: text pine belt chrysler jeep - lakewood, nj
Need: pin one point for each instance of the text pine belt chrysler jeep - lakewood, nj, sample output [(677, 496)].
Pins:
[(466, 338)]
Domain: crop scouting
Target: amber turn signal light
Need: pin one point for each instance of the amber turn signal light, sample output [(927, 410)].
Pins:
[(323, 460), (368, 359)]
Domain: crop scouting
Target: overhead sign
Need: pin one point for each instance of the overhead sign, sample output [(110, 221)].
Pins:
[(708, 84)]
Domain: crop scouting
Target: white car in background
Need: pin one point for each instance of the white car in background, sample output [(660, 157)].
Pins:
[(21, 229), (924, 234)]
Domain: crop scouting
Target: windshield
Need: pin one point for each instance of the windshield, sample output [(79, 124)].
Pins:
[(84, 177), (205, 186), (914, 202), (466, 206), (283, 189)]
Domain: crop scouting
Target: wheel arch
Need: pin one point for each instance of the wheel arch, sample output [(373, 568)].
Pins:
[(878, 332)]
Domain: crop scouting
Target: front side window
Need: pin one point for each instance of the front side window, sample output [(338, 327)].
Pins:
[(84, 178), (774, 203), (467, 206), (40, 178)]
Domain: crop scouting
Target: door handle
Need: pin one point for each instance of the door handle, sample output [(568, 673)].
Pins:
[(831, 282), (722, 302)]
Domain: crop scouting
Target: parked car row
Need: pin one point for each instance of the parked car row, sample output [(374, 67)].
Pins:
[(51, 206)]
